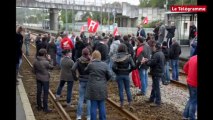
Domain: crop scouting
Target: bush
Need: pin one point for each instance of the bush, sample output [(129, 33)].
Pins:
[(151, 25)]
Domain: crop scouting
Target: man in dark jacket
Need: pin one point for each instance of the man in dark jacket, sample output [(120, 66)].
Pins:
[(41, 69), (79, 46), (174, 54), (27, 41), (143, 50), (52, 50), (166, 76), (38, 43), (129, 46), (161, 32), (157, 26), (156, 64), (19, 43), (141, 32), (103, 49), (82, 35), (170, 34), (192, 30)]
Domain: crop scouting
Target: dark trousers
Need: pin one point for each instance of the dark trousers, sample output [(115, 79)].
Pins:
[(155, 93), (69, 89), (42, 85)]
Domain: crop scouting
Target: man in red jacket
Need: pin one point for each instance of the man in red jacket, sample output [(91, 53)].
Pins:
[(190, 69), (66, 43)]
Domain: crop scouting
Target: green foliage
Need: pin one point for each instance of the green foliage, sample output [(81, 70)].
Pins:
[(152, 3), (151, 24), (69, 16), (85, 16)]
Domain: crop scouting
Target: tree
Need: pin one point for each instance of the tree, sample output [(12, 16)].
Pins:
[(86, 16), (69, 16)]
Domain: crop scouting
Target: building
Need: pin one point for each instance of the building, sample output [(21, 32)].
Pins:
[(182, 22)]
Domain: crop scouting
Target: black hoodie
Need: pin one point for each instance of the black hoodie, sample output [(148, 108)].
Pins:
[(123, 63), (81, 64)]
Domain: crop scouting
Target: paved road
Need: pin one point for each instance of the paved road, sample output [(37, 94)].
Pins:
[(20, 115)]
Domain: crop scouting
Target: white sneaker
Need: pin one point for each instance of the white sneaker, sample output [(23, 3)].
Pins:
[(57, 98), (88, 118), (78, 118), (68, 105), (20, 76)]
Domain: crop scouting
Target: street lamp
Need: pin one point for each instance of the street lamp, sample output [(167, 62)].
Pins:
[(73, 18)]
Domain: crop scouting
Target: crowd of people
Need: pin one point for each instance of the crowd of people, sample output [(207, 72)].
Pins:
[(99, 58)]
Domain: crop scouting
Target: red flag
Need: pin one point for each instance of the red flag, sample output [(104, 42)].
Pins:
[(92, 25), (115, 31), (82, 29), (136, 78), (145, 20)]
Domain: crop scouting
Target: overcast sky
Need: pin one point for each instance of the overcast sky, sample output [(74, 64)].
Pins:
[(133, 2)]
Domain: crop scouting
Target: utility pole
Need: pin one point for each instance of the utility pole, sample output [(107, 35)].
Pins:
[(25, 10), (108, 17), (114, 18), (101, 15), (166, 5), (66, 16)]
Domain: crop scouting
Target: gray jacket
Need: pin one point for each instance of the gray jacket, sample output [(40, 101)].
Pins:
[(66, 69), (99, 74), (114, 47), (162, 31), (41, 68)]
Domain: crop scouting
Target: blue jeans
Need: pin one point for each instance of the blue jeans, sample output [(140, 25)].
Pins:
[(124, 80), (144, 80), (175, 70), (20, 62), (191, 51), (166, 75), (190, 109), (27, 49), (58, 60), (69, 89), (100, 104), (82, 89), (18, 66), (42, 85), (155, 93)]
